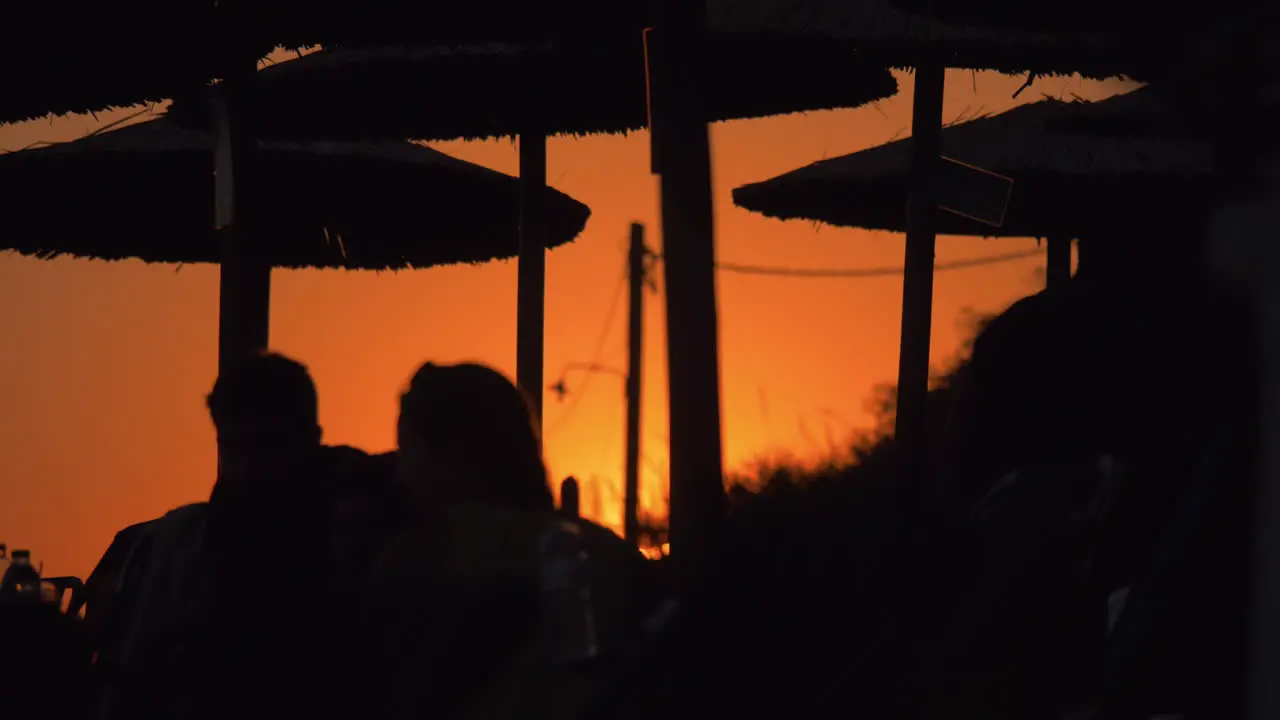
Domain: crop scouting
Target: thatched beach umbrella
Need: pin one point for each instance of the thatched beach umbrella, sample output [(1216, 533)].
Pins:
[(145, 191), (1206, 62), (303, 23), (76, 56), (79, 56), (68, 56), (885, 33), (1140, 22), (1066, 178), (1074, 175), (899, 38), (579, 86)]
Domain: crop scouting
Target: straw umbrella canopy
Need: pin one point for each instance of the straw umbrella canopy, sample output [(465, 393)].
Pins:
[(889, 31), (1066, 182), (145, 191), (575, 87), (900, 38), (84, 56), (1075, 176), (1131, 22), (885, 33), (1206, 65), (303, 23), (76, 56)]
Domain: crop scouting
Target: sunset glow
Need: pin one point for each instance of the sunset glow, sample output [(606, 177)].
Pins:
[(105, 365)]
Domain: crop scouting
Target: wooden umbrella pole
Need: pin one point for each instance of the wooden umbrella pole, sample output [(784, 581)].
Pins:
[(917, 283), (1242, 676), (244, 275), (531, 290), (682, 155), (1058, 261)]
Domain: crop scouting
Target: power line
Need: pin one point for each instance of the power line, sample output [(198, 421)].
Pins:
[(870, 272), (610, 317), (854, 273)]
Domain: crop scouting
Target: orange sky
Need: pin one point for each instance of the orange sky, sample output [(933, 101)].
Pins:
[(104, 366)]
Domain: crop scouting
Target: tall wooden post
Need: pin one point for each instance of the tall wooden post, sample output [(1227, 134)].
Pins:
[(570, 497), (1082, 251), (1057, 261), (682, 157), (635, 378), (1246, 646), (244, 310), (917, 283), (531, 290)]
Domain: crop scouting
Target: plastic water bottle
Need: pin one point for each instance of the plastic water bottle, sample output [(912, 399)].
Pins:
[(21, 580), (568, 613)]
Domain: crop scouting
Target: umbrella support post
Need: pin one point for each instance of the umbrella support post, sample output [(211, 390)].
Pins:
[(244, 307), (1057, 271), (531, 293), (682, 151), (917, 284)]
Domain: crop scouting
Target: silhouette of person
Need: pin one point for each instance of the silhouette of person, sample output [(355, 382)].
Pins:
[(466, 435), (468, 438), (470, 464), (368, 511), (1057, 381), (267, 544), (103, 623), (135, 596), (266, 415), (212, 575)]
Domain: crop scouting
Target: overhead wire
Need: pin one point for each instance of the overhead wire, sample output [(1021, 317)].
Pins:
[(870, 272), (611, 317), (763, 270)]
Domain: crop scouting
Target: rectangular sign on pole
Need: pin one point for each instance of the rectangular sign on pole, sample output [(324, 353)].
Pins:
[(971, 192)]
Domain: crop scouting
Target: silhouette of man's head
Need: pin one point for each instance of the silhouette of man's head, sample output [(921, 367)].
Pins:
[(466, 434), (263, 410)]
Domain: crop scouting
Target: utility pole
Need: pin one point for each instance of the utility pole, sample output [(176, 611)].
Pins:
[(635, 372)]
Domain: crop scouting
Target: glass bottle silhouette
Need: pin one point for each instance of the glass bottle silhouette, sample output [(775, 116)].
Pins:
[(568, 612), (21, 580)]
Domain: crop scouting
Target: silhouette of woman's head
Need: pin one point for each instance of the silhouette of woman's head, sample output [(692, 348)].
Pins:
[(466, 434)]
